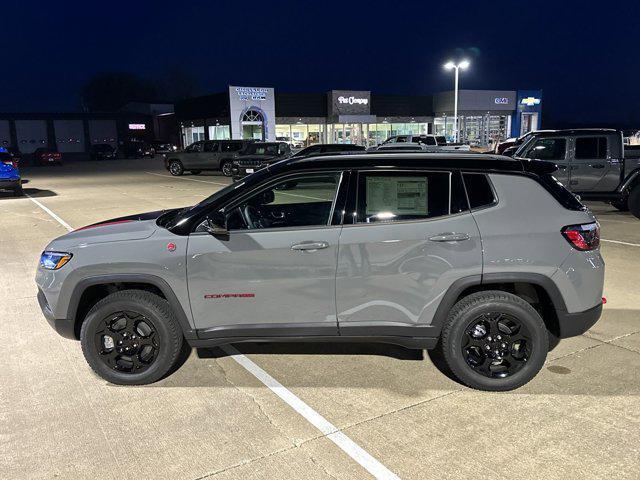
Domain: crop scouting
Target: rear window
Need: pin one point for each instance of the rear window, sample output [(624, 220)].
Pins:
[(567, 199), (442, 140), (479, 190)]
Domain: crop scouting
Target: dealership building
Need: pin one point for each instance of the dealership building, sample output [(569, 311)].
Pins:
[(356, 116)]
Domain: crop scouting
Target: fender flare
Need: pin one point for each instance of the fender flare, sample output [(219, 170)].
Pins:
[(455, 290), (158, 282)]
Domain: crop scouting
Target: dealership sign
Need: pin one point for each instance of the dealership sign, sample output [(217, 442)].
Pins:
[(353, 100), (137, 126), (530, 101), (501, 100), (252, 93)]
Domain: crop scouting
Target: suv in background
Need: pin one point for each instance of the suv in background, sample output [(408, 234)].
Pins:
[(102, 151), (480, 258), (258, 156), (593, 163), (205, 155), (433, 143), (45, 156), (326, 148)]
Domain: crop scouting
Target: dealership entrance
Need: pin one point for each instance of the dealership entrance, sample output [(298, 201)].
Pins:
[(252, 122)]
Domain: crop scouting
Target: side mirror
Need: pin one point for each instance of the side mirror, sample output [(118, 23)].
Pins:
[(216, 225)]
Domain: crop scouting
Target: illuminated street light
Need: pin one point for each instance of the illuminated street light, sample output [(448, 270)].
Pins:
[(464, 64)]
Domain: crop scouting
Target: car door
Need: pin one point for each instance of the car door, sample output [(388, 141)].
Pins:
[(191, 156), (411, 237), (592, 164), (275, 272), (553, 149), (210, 156)]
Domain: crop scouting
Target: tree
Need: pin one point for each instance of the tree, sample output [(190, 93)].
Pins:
[(177, 84), (109, 91)]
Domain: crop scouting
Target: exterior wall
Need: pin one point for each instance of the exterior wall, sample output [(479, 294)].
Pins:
[(260, 99), (103, 131), (5, 133), (529, 101)]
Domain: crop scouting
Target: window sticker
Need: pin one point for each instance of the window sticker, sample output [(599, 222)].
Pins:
[(397, 195)]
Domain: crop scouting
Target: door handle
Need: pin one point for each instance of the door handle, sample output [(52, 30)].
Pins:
[(597, 165), (449, 237), (309, 246)]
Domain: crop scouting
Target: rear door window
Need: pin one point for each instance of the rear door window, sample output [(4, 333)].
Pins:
[(231, 146), (398, 196), (211, 146), (591, 147)]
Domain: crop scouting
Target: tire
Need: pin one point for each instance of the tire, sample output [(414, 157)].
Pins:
[(133, 307), (18, 192), (225, 168), (621, 204), (175, 168), (492, 308), (196, 172), (634, 201)]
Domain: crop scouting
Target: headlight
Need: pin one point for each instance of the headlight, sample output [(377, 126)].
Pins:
[(54, 260)]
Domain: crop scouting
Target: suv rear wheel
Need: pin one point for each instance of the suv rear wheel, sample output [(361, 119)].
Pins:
[(131, 337), (634, 201), (494, 341), (176, 168)]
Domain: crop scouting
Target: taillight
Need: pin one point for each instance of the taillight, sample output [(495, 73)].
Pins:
[(583, 237)]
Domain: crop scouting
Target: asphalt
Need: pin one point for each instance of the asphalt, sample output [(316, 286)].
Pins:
[(214, 418)]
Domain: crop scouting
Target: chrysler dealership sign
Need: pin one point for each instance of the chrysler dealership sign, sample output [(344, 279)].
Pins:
[(252, 93)]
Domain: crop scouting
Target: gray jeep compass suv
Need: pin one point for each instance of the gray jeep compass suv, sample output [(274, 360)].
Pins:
[(482, 259)]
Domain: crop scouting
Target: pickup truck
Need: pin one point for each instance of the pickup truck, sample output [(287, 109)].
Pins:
[(433, 143), (593, 163)]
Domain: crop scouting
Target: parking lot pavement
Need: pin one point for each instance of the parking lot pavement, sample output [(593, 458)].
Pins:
[(213, 418)]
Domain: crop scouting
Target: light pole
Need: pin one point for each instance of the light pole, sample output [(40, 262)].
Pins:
[(464, 64)]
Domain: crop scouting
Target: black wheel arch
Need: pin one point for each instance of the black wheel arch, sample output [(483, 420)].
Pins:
[(546, 290), (84, 294)]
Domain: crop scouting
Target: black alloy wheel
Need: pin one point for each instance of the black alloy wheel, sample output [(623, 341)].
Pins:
[(226, 168), (127, 342), (176, 168), (496, 345)]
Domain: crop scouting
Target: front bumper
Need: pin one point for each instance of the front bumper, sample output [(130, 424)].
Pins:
[(64, 326), (241, 171), (574, 324)]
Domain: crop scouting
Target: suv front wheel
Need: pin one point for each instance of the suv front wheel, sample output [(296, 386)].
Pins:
[(494, 341), (176, 168), (131, 337)]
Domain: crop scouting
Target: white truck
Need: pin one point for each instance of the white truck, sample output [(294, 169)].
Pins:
[(433, 143)]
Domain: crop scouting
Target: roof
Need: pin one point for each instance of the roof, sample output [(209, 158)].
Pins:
[(467, 161), (575, 131)]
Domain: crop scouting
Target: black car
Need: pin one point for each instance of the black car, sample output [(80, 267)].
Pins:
[(258, 155), (133, 149), (102, 151), (321, 149), (161, 146)]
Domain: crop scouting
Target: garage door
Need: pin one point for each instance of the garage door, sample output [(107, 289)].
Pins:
[(5, 134), (31, 134), (69, 135), (103, 131)]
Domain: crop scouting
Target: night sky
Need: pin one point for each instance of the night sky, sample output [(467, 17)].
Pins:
[(582, 54)]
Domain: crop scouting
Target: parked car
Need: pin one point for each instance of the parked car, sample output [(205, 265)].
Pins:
[(326, 148), (102, 151), (135, 149), (434, 143), (293, 143), (401, 147), (593, 163), (160, 146), (205, 155), (480, 258), (44, 156), (257, 156), (9, 174), (14, 154)]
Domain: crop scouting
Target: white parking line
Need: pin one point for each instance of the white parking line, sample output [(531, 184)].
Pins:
[(53, 215), (620, 243), (333, 433)]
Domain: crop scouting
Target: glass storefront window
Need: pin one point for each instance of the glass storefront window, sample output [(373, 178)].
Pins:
[(191, 135), (219, 132), (300, 135)]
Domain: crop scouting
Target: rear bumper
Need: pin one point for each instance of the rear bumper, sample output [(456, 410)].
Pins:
[(10, 184), (63, 326), (574, 324)]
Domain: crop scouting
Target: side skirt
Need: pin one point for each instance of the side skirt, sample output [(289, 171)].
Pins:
[(419, 343)]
